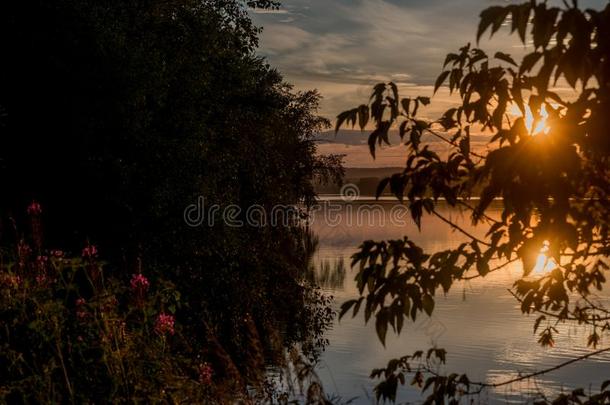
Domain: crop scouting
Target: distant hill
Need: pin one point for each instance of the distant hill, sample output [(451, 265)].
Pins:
[(353, 137), (357, 137), (353, 145), (379, 172), (366, 179)]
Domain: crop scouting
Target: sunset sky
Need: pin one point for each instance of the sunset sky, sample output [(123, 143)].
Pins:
[(343, 47)]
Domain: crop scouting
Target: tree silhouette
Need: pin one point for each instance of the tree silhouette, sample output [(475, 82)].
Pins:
[(115, 117), (553, 180)]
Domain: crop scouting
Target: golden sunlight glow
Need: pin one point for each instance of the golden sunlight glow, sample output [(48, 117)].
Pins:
[(544, 264), (541, 125)]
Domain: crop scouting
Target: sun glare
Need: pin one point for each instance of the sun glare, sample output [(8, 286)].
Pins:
[(544, 264), (540, 126)]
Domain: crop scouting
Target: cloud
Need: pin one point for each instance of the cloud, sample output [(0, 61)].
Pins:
[(281, 38), (344, 47), (270, 11)]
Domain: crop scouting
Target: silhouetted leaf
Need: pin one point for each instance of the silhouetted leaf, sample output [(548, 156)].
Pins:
[(520, 18), (340, 120), (428, 304), (424, 100), (465, 146), (346, 306), (363, 116), (450, 58), (492, 16), (402, 129), (372, 142), (381, 326), (538, 321), (440, 80), (381, 186), (529, 61), (506, 58)]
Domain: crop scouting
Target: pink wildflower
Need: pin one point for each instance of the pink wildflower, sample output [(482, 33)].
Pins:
[(205, 373), (81, 311), (34, 208), (41, 279), (165, 324), (90, 252), (41, 262), (23, 251), (139, 283), (57, 253)]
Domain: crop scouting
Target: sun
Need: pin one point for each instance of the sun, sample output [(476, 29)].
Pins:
[(540, 126), (544, 263)]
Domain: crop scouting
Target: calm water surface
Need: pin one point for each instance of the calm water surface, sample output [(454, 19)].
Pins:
[(479, 323)]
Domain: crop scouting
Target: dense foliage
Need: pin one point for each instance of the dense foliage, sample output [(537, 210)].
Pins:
[(116, 116), (75, 333), (553, 180)]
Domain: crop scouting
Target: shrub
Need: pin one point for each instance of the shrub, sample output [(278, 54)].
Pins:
[(78, 329)]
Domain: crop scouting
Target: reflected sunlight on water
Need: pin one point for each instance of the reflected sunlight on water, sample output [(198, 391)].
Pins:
[(478, 322)]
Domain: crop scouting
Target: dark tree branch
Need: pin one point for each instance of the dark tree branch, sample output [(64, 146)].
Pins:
[(460, 229), (541, 372), (562, 318), (441, 137), (499, 267)]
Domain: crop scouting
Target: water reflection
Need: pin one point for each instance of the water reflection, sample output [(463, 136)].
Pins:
[(329, 273), (478, 322)]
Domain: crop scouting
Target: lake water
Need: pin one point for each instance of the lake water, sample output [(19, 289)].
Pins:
[(479, 323)]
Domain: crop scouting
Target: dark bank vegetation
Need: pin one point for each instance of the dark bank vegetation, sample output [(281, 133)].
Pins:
[(552, 174), (115, 116)]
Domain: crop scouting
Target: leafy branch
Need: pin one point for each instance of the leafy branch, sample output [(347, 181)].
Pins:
[(547, 164)]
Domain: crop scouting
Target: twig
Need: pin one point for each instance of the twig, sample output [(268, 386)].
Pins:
[(458, 228), (567, 318), (499, 267), (471, 208), (545, 371), (483, 385), (441, 137)]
